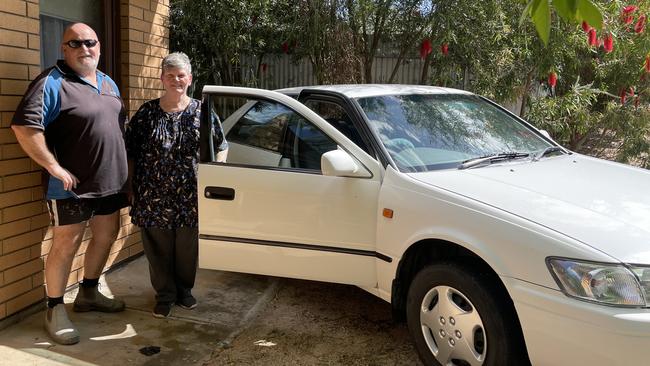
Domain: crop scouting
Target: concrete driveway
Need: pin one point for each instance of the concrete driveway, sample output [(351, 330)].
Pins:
[(241, 320)]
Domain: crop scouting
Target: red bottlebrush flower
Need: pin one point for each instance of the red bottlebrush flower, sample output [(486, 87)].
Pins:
[(608, 43), (629, 9), (425, 48), (627, 20), (285, 47), (646, 65), (622, 95), (585, 26), (263, 67), (592, 37), (640, 24), (444, 48), (552, 79), (631, 91)]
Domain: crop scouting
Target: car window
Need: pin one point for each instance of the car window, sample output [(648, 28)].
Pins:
[(429, 131), (271, 134), (307, 144), (262, 126), (338, 118)]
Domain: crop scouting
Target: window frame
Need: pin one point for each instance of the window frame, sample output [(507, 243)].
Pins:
[(205, 151), (367, 147)]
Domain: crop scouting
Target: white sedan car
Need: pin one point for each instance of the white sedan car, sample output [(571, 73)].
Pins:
[(498, 246)]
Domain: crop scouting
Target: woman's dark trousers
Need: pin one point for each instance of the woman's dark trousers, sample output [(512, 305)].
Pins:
[(173, 257)]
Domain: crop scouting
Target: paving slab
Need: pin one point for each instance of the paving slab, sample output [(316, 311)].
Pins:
[(226, 302)]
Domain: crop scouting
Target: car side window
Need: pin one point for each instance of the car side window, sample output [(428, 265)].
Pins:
[(262, 126), (338, 118), (270, 134), (307, 144)]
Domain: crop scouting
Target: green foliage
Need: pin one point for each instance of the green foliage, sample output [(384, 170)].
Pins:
[(585, 111), (574, 11), (318, 27), (569, 117), (619, 132), (215, 34), (491, 52)]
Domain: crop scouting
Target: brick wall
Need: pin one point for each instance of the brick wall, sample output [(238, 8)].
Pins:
[(23, 216), (25, 238), (145, 41)]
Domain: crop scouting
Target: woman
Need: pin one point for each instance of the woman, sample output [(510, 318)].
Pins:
[(162, 141)]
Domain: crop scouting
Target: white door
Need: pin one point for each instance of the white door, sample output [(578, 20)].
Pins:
[(269, 209)]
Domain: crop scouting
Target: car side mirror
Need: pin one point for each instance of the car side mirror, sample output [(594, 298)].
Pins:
[(545, 134), (338, 163)]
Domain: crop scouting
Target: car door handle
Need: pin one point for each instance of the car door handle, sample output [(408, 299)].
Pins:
[(219, 193)]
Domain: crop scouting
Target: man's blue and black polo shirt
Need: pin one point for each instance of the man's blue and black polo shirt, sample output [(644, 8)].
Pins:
[(83, 128)]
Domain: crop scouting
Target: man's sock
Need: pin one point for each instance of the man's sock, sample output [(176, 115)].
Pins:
[(54, 301), (87, 282)]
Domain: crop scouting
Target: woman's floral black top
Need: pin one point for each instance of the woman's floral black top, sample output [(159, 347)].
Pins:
[(164, 149)]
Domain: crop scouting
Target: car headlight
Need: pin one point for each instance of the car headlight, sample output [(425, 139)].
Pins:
[(604, 283), (643, 274)]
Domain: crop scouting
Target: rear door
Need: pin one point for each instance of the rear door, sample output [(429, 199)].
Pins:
[(269, 210)]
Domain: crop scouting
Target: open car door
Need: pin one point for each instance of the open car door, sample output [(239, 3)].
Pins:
[(271, 208)]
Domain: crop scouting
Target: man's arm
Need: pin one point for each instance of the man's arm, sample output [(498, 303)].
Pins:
[(32, 140)]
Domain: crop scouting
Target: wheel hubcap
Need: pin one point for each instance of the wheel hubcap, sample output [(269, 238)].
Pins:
[(452, 328)]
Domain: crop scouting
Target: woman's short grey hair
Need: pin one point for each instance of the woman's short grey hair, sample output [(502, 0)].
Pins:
[(177, 60)]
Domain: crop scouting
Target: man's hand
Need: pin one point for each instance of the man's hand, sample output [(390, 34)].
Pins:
[(32, 141), (62, 174)]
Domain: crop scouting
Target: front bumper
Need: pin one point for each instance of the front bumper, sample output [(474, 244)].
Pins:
[(564, 331)]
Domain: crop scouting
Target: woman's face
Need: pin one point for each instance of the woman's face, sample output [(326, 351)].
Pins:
[(176, 80)]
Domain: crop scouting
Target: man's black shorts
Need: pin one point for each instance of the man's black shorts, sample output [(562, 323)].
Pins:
[(75, 210)]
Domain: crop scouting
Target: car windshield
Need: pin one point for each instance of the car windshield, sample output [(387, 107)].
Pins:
[(424, 132)]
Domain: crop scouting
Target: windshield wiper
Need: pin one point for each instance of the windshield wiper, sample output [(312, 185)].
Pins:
[(489, 159), (547, 151)]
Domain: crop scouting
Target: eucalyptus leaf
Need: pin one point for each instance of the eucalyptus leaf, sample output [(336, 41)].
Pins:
[(528, 11)]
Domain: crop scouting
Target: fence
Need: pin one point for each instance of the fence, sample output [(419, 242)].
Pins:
[(283, 72)]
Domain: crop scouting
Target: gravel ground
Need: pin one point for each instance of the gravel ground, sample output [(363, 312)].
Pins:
[(315, 323)]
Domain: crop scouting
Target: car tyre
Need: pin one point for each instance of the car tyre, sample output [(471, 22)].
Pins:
[(459, 316)]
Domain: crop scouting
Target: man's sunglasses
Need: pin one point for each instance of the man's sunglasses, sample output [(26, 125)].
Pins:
[(76, 43)]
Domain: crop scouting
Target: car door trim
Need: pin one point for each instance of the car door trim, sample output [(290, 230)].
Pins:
[(352, 107), (274, 168), (239, 92), (366, 253)]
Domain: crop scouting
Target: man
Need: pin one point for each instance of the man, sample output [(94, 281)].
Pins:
[(70, 121)]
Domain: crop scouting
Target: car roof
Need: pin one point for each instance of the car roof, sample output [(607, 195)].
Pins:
[(373, 90)]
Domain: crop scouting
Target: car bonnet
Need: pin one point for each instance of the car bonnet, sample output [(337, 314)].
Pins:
[(603, 204)]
